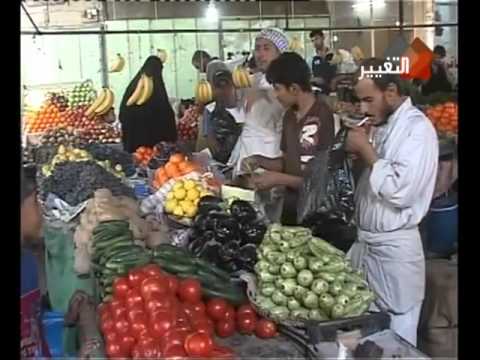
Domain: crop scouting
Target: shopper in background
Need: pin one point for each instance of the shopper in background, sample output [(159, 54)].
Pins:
[(439, 80), (205, 63), (152, 122), (322, 71), (392, 197), (308, 127), (32, 343)]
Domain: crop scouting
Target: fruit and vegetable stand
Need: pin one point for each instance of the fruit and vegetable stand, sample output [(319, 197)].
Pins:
[(176, 265)]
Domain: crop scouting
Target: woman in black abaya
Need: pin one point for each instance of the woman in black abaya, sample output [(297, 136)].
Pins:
[(152, 122)]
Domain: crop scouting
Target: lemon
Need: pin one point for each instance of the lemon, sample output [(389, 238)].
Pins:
[(178, 185), (171, 196), (196, 201), (170, 205), (191, 211), (189, 184), (192, 194), (178, 211), (180, 194), (186, 204)]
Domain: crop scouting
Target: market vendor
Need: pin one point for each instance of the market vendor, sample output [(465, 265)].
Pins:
[(152, 122), (308, 126), (262, 129), (32, 344), (392, 197)]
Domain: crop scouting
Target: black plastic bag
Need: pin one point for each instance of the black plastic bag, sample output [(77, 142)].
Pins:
[(226, 132), (326, 199)]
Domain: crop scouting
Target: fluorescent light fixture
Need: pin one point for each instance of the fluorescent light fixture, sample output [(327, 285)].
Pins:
[(365, 4), (212, 13)]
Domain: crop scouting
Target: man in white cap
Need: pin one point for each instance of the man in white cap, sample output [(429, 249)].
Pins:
[(262, 131)]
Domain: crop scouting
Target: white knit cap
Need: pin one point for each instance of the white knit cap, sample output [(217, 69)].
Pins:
[(276, 36)]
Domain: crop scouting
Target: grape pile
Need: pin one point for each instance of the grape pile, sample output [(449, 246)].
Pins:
[(116, 157), (82, 94), (64, 182)]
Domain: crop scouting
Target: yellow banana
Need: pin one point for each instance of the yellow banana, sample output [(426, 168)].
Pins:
[(98, 101), (147, 91), (137, 92), (241, 78), (107, 103), (118, 64)]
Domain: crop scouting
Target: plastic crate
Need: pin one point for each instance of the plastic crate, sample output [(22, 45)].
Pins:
[(53, 326)]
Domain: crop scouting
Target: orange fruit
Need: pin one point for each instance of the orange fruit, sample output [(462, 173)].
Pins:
[(177, 158), (161, 179), (171, 169)]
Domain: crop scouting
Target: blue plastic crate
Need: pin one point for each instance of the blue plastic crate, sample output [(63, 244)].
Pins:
[(53, 326)]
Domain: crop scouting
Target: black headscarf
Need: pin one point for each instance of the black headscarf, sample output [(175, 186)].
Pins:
[(152, 122)]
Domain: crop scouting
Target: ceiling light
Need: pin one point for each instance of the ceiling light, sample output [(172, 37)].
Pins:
[(212, 13)]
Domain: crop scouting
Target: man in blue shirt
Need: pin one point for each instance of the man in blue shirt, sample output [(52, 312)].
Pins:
[(32, 344)]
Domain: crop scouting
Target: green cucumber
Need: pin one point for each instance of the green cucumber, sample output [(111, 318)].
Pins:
[(233, 296), (207, 267), (177, 268)]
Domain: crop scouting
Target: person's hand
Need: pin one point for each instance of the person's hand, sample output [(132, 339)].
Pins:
[(249, 164), (266, 180), (357, 140)]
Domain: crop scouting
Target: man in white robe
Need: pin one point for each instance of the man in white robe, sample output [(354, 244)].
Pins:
[(393, 195)]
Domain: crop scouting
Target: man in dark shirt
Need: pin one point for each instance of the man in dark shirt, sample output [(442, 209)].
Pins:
[(308, 126), (322, 71)]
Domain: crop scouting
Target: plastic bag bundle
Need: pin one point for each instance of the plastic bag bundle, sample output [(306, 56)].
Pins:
[(326, 202), (226, 132)]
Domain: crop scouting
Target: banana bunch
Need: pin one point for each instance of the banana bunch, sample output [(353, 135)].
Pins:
[(143, 92), (102, 104), (118, 64), (241, 78), (203, 92)]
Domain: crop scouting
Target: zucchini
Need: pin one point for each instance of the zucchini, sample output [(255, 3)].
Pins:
[(208, 277), (234, 296), (176, 268), (206, 267), (124, 239)]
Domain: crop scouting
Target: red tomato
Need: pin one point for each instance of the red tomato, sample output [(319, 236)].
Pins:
[(154, 285), (119, 312), (182, 318), (152, 270), (246, 309), (246, 324), (135, 277), (190, 291), (204, 325), (127, 342), (120, 287), (135, 312), (216, 308), (221, 352), (107, 325), (160, 323), (229, 313), (134, 298), (198, 344), (111, 336), (175, 352), (146, 350), (114, 350), (199, 308), (122, 326), (105, 316), (225, 328), (139, 327), (104, 308), (173, 337), (116, 303), (265, 329), (159, 302), (173, 283)]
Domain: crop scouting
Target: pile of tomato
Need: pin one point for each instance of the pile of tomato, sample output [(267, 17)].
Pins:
[(155, 315), (144, 154), (444, 117)]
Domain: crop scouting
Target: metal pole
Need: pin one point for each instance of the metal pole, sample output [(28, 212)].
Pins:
[(400, 15), (372, 31), (103, 58)]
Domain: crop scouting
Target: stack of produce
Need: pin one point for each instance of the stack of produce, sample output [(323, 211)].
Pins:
[(76, 182), (163, 151), (82, 94), (116, 157), (105, 208), (70, 154), (61, 136), (101, 133), (46, 118), (444, 117), (143, 155), (187, 127), (300, 277), (227, 235), (178, 165), (182, 200)]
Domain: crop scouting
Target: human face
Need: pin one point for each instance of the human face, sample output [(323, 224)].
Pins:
[(31, 221), (317, 42), (265, 53), (378, 105), (225, 95), (287, 96)]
